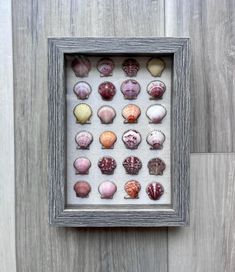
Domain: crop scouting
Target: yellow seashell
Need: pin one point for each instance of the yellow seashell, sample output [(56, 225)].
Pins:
[(156, 66), (108, 139), (83, 113)]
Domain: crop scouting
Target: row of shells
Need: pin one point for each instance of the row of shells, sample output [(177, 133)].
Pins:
[(81, 66), (131, 112), (130, 89), (107, 189), (108, 164)]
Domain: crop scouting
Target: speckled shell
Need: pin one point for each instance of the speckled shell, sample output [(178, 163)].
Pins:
[(131, 138), (156, 89), (81, 66), (130, 89), (105, 66), (108, 139), (132, 165), (107, 165), (83, 139), (156, 66), (82, 189), (130, 67), (107, 90), (82, 165), (156, 139), (107, 189), (106, 114), (83, 113), (156, 166), (156, 113), (132, 188), (82, 90), (131, 113), (154, 190)]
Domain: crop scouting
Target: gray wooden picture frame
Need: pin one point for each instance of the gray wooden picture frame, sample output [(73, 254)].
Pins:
[(176, 214)]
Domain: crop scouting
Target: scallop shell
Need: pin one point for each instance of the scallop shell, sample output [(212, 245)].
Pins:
[(106, 114), (156, 166), (132, 188), (107, 90), (108, 139), (131, 113), (156, 89), (82, 188), (83, 139), (156, 139), (83, 113), (107, 165), (154, 190), (107, 189), (81, 66), (130, 67), (105, 66), (131, 138), (130, 89), (156, 113), (156, 66), (82, 90), (82, 165), (132, 165)]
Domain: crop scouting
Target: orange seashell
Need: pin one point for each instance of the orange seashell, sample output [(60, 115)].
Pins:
[(132, 188), (108, 139), (131, 113)]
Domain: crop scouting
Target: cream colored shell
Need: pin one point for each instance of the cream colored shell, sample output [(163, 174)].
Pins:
[(83, 113), (156, 66)]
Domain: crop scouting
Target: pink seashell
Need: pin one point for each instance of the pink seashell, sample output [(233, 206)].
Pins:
[(107, 189), (156, 89), (82, 188), (130, 67), (105, 66), (106, 114), (131, 113), (83, 139), (155, 139), (131, 139), (132, 165), (107, 165), (156, 113), (82, 90), (130, 89), (107, 90), (82, 165), (81, 66), (155, 190)]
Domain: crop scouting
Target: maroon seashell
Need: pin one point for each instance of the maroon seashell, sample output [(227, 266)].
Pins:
[(156, 89), (132, 165), (131, 139), (107, 90), (105, 66), (154, 190), (81, 66), (130, 67), (132, 188), (107, 165), (82, 188), (130, 89), (156, 166), (82, 165)]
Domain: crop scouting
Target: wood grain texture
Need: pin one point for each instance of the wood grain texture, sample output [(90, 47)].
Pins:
[(209, 243), (211, 28), (40, 247), (7, 174)]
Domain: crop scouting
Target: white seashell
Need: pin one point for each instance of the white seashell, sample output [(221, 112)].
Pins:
[(155, 139), (83, 139), (156, 113)]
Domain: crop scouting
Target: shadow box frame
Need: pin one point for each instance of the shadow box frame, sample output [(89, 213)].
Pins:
[(175, 214)]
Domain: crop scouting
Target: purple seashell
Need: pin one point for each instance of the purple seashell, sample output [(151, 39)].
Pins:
[(107, 189), (82, 165), (130, 67), (107, 165), (156, 89), (130, 89), (83, 139), (155, 190), (107, 90), (131, 139), (82, 189), (82, 90), (105, 66), (156, 139), (132, 165), (106, 114), (156, 166), (81, 66), (156, 113)]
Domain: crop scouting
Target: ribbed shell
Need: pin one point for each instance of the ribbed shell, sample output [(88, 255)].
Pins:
[(132, 188), (132, 165), (156, 66), (83, 139), (131, 138), (81, 66), (105, 66), (108, 139), (155, 190), (131, 113), (107, 165), (106, 114), (156, 166), (156, 113), (130, 67), (156, 139), (82, 90)]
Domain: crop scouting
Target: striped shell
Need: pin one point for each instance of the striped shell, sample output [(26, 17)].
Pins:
[(82, 165), (105, 66), (82, 90), (108, 139), (130, 67), (130, 89), (156, 89), (156, 139), (132, 188), (81, 66), (132, 165), (154, 190), (156, 66), (107, 189), (106, 114), (83, 139), (156, 113), (131, 113), (156, 166), (131, 138)]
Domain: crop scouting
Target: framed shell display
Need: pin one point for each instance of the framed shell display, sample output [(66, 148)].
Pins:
[(118, 132)]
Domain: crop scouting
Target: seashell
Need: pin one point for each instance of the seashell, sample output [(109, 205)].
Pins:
[(132, 188), (131, 113), (82, 90), (156, 66), (82, 165), (81, 66), (154, 190), (83, 139), (130, 89), (132, 165), (105, 66), (156, 166), (107, 165), (156, 89), (156, 113), (156, 139), (108, 139), (82, 188), (83, 113), (131, 138), (130, 67), (107, 90), (106, 114), (107, 189)]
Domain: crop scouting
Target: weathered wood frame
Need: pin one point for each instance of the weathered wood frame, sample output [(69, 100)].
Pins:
[(176, 214)]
